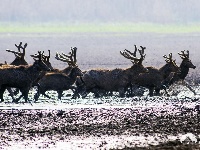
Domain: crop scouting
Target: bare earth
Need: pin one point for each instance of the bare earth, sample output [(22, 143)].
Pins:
[(106, 123)]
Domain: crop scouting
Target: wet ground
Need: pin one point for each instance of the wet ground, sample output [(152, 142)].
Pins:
[(108, 122), (105, 123)]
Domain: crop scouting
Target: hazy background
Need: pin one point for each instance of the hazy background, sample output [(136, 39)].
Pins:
[(95, 11)]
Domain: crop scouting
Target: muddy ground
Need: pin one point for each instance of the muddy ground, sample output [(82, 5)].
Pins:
[(100, 127), (106, 123)]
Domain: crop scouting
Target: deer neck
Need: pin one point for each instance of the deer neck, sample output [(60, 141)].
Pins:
[(184, 71), (18, 62), (33, 72), (67, 70), (165, 71), (72, 76)]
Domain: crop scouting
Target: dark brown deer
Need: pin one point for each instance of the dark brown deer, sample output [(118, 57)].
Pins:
[(116, 79), (60, 81), (185, 65), (46, 60), (20, 55), (21, 77), (153, 80), (19, 60)]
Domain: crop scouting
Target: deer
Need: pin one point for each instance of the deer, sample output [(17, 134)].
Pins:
[(46, 60), (19, 60), (155, 78), (21, 77), (60, 80), (19, 56), (185, 65), (97, 80)]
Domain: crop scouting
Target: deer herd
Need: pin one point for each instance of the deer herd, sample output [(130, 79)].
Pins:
[(21, 76)]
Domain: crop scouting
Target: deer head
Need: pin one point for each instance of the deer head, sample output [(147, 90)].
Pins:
[(45, 58), (39, 63), (186, 61), (70, 58), (19, 60), (170, 66), (137, 62), (169, 60), (73, 69)]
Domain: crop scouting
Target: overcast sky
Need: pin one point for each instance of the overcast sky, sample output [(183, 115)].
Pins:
[(76, 11)]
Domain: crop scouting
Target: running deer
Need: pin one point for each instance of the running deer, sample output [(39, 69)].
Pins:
[(185, 65), (21, 77), (153, 80), (60, 81), (19, 60), (46, 60), (113, 80)]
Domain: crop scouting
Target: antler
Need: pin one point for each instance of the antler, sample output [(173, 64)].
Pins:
[(19, 47), (168, 59), (44, 57), (70, 59), (39, 55), (127, 54), (132, 56), (183, 55), (142, 53)]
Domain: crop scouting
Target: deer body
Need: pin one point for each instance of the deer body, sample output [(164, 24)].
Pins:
[(112, 80), (153, 80), (20, 77), (19, 60), (185, 65), (60, 80)]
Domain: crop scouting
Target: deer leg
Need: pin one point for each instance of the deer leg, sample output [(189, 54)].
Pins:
[(84, 93), (37, 95), (24, 94), (129, 89), (80, 90), (96, 92), (151, 91), (121, 92), (76, 93), (16, 91), (157, 90), (43, 93), (2, 90), (11, 93), (60, 94), (96, 95), (165, 88)]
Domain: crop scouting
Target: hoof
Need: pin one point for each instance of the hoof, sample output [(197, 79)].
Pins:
[(16, 102)]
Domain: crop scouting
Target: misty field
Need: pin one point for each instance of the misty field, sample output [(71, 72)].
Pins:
[(98, 27), (108, 122)]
